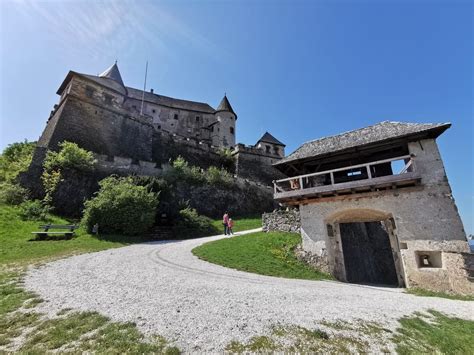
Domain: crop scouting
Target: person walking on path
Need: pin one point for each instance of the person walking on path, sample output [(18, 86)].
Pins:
[(225, 222), (230, 225)]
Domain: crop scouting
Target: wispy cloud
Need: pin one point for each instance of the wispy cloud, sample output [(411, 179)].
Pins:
[(99, 28)]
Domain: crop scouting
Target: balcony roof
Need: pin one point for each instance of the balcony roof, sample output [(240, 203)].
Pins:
[(367, 136)]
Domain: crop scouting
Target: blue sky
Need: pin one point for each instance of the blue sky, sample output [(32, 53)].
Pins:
[(299, 69)]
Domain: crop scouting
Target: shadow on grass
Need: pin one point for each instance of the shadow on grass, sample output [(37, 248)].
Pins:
[(45, 237)]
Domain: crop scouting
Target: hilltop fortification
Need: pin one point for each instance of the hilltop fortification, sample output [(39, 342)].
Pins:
[(138, 132)]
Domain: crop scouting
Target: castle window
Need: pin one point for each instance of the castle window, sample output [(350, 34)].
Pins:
[(154, 111), (197, 118), (231, 130), (429, 259), (277, 151), (108, 99), (175, 116), (268, 148), (89, 91)]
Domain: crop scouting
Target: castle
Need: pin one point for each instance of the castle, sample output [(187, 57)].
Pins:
[(135, 131)]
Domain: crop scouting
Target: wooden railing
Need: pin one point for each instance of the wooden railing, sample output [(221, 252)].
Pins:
[(327, 178)]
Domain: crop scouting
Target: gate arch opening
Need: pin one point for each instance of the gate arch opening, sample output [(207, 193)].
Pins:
[(366, 247)]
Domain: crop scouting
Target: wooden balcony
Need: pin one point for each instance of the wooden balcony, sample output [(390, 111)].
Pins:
[(347, 180)]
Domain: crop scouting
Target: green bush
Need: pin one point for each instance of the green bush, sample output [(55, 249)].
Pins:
[(12, 194), (181, 171), (70, 156), (34, 211), (227, 160), (121, 207), (15, 159), (216, 176), (191, 225)]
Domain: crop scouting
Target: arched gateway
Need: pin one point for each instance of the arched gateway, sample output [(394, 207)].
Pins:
[(366, 246)]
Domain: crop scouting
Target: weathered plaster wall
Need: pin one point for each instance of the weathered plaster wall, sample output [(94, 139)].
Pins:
[(425, 217)]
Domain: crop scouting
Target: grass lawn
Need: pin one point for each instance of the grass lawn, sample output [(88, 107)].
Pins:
[(434, 333), (427, 293), (240, 224), (69, 331), (420, 333), (15, 235), (262, 253)]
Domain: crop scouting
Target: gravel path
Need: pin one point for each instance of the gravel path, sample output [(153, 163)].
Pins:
[(166, 290)]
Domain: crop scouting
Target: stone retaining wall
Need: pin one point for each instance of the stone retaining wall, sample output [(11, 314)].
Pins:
[(283, 221)]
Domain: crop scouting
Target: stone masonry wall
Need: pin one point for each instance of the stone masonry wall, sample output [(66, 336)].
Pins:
[(282, 220), (254, 164), (99, 130)]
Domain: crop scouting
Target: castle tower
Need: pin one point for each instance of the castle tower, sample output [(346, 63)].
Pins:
[(113, 73), (226, 118)]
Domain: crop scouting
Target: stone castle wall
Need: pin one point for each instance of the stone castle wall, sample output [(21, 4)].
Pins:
[(252, 163), (282, 221), (100, 130), (187, 124)]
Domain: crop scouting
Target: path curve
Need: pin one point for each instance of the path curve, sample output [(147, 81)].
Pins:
[(166, 290)]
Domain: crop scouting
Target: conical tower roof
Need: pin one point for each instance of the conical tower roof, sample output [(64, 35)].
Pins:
[(225, 106), (267, 137), (113, 73)]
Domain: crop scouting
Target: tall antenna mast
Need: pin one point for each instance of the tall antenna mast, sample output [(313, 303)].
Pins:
[(144, 88)]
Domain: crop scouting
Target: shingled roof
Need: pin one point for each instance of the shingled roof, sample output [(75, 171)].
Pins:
[(267, 137), (170, 101), (383, 131), (225, 106), (113, 73)]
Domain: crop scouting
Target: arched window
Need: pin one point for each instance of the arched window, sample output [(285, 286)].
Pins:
[(231, 130)]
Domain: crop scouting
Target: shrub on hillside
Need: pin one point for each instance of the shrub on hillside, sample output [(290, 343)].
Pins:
[(12, 194), (181, 171), (34, 211), (70, 156), (216, 176), (121, 207), (227, 160), (15, 159), (191, 225)]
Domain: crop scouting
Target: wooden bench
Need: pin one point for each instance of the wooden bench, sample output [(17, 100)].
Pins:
[(63, 230)]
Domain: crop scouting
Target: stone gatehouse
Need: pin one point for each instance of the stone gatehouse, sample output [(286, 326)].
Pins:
[(376, 207)]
